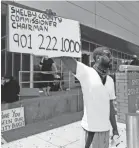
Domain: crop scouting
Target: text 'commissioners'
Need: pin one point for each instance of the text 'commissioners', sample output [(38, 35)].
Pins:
[(42, 34), (12, 119)]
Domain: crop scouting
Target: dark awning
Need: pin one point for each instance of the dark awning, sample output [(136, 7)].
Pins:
[(108, 40)]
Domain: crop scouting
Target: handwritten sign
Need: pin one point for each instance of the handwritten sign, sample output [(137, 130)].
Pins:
[(135, 82), (133, 91), (12, 119), (43, 34)]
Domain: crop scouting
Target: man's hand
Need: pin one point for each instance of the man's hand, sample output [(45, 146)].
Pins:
[(115, 132), (56, 76)]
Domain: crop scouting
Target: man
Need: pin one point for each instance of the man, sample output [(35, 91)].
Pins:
[(50, 71), (98, 95), (135, 61), (10, 90)]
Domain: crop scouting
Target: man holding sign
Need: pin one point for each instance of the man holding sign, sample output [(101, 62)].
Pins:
[(98, 95)]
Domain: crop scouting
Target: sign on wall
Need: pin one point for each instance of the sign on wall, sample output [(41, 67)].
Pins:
[(12, 119), (43, 34)]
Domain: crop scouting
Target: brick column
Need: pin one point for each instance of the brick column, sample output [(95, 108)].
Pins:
[(127, 92)]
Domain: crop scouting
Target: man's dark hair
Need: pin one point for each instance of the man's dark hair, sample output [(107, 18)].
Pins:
[(99, 51)]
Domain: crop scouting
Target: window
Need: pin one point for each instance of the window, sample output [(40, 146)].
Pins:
[(3, 44), (85, 45)]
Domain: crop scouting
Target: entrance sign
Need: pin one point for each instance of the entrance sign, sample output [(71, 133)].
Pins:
[(12, 119), (43, 34)]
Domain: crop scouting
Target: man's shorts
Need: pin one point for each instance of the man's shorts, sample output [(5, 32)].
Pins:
[(100, 139)]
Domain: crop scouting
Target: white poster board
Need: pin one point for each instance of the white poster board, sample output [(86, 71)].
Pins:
[(42, 34), (12, 119)]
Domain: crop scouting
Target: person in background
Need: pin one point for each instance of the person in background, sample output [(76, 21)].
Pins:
[(135, 60), (98, 95), (2, 89), (10, 90), (49, 72)]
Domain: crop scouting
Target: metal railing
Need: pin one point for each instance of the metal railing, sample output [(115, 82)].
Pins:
[(61, 79)]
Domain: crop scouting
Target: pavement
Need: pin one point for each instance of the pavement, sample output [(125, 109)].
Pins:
[(67, 136), (41, 126)]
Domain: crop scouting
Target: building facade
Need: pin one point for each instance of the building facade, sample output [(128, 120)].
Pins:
[(111, 24)]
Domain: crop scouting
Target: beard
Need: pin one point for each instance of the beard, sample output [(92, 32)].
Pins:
[(105, 64)]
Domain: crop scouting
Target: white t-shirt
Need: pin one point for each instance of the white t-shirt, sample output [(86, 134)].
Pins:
[(96, 98)]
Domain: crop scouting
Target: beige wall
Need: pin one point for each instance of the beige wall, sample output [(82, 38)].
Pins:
[(117, 18)]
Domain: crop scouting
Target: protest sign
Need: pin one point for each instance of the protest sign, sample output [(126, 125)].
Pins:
[(43, 34), (12, 119)]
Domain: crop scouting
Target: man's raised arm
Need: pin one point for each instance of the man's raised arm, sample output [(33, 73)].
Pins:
[(70, 63)]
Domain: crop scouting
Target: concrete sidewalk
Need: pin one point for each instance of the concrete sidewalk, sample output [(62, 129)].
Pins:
[(67, 136)]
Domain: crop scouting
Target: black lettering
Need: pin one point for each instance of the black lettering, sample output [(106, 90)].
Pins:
[(17, 18), (71, 46), (59, 19), (13, 17), (50, 17), (55, 39), (16, 38), (2, 122), (5, 122), (30, 42), (67, 49), (13, 125), (41, 28), (9, 121), (16, 119), (20, 119), (75, 47), (29, 27), (54, 24), (45, 28), (34, 20), (42, 22), (17, 11), (13, 25), (37, 21), (27, 20), (23, 39), (13, 10), (21, 12), (35, 27), (42, 41), (49, 42), (55, 17), (24, 26), (25, 13), (40, 17), (29, 13), (62, 46), (43, 16), (46, 23), (22, 19), (47, 17), (50, 23), (34, 13), (19, 25), (6, 128), (5, 115)]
